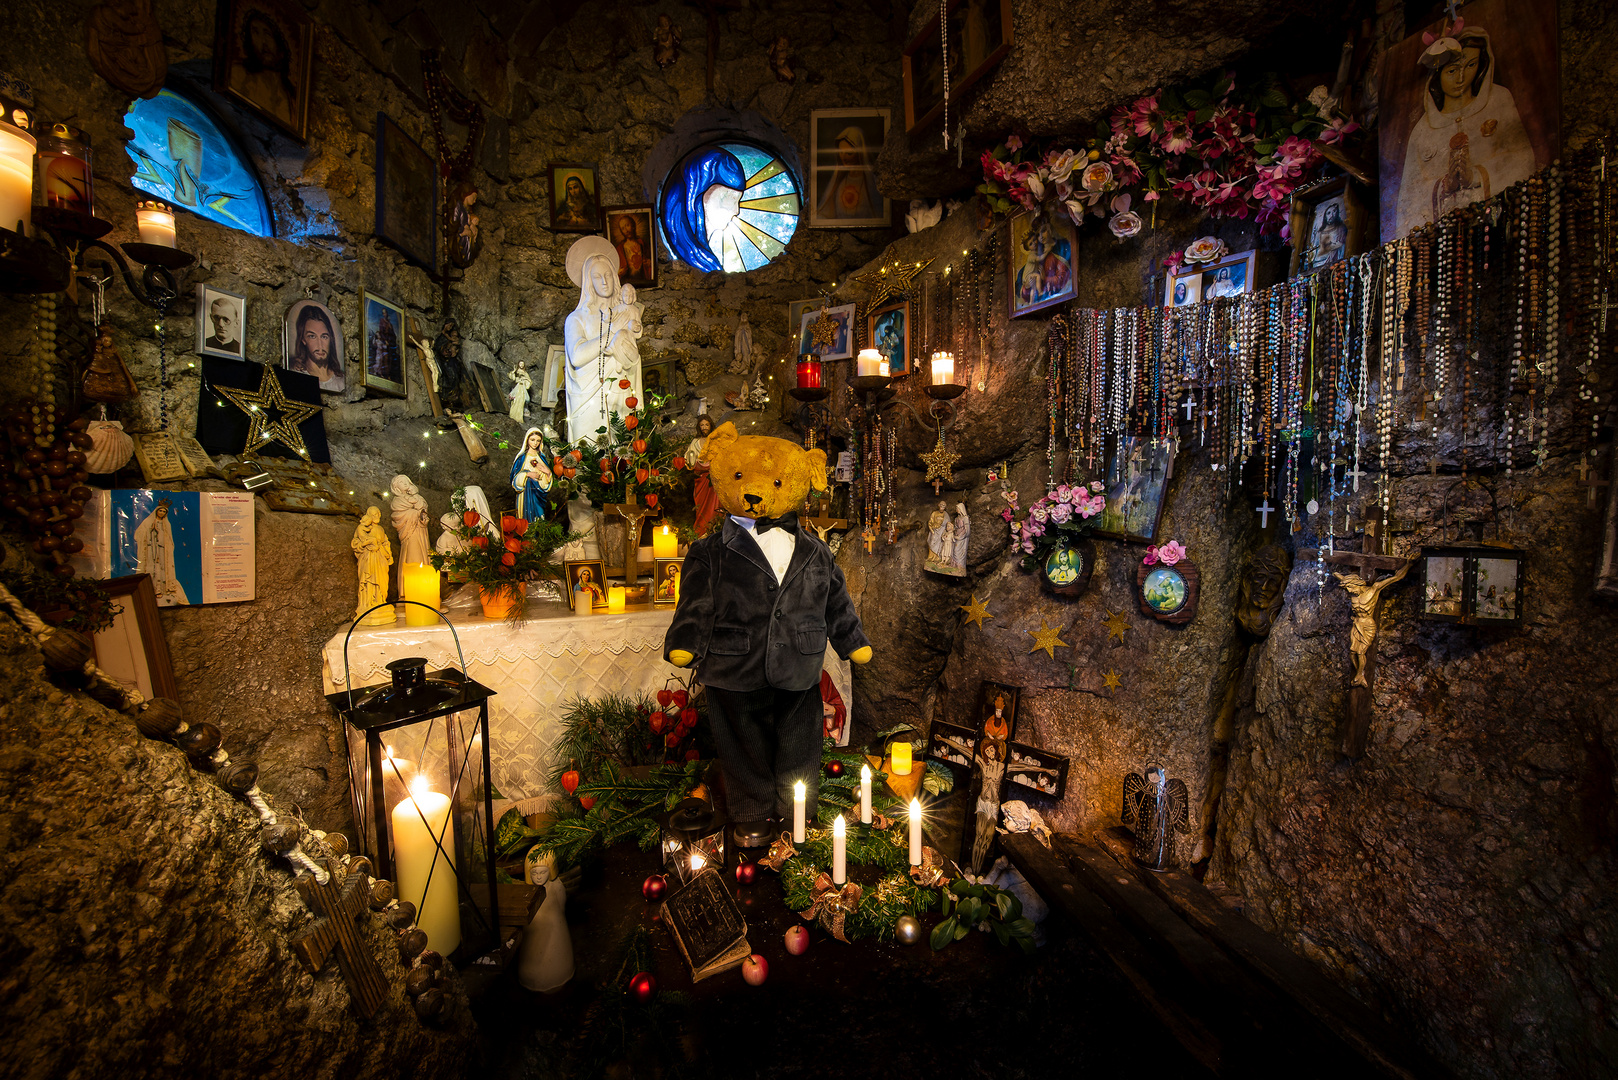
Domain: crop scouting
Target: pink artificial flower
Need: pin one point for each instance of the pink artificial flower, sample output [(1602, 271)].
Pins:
[(1014, 143), (1172, 263), (1297, 151), (1027, 547), (1097, 486), (1338, 129), (1060, 164), (1140, 114), (1039, 513), (1064, 493), (993, 167), (1150, 558), (1061, 512), (1097, 176), (1170, 553), (1005, 515), (1125, 224), (1176, 138)]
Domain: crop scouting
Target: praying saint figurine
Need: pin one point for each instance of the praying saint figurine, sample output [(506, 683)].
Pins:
[(409, 520), (375, 557), (518, 395)]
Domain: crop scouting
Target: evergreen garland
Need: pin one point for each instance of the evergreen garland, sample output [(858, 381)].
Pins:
[(880, 905), (624, 808)]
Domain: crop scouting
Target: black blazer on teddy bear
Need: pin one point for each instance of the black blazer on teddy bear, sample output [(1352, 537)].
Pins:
[(747, 631)]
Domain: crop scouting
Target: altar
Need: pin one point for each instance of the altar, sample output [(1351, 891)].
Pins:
[(534, 668)]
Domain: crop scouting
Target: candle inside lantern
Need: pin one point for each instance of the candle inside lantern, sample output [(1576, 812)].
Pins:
[(865, 794), (615, 598), (808, 372), (155, 222), (16, 177), (397, 773), (697, 862), (426, 874), (869, 362), (839, 852), (943, 368), (800, 829), (665, 543), (915, 832), (900, 753), (419, 582)]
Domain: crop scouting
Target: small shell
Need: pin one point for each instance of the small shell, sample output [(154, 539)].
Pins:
[(110, 448), (65, 650), (199, 740), (411, 944), (338, 844), (359, 864), (403, 915), (430, 1004), (418, 979), (159, 718), (381, 894), (280, 838), (238, 779), (432, 959)]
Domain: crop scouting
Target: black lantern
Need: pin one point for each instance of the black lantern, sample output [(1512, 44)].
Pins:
[(418, 772), (692, 838), (1473, 584)]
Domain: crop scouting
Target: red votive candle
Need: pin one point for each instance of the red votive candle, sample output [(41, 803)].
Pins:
[(809, 372)]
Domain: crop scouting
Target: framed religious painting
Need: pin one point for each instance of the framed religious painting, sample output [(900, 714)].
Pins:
[(827, 333), (1467, 110), (1136, 489), (952, 743), (1474, 585), (312, 342), (587, 578), (550, 389), (1036, 770), (979, 37), (1230, 276), (263, 52), (888, 329), (666, 582), (406, 195), (634, 237), (1040, 269), (574, 198), (383, 340), (797, 310), (1328, 225), (842, 181), (1168, 591), (221, 323), (133, 649), (1067, 569), (657, 378), (997, 709), (489, 388)]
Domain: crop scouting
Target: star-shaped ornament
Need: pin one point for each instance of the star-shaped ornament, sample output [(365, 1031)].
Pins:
[(893, 280), (1111, 679), (823, 331), (1116, 625), (976, 612), (1046, 638), (940, 463), (271, 415)]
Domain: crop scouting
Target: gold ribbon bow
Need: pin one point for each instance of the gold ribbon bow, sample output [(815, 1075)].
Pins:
[(831, 905), (780, 852), (879, 820), (930, 874)]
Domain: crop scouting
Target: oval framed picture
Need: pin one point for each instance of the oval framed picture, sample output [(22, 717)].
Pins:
[(1168, 593), (1067, 569)]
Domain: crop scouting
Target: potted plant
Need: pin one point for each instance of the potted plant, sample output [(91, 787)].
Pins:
[(1052, 537), (501, 557)]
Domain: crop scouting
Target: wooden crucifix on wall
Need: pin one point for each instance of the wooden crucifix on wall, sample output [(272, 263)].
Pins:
[(823, 523), (633, 514)]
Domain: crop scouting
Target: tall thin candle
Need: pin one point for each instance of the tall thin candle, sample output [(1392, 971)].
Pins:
[(839, 852), (799, 826), (915, 832), (865, 794)]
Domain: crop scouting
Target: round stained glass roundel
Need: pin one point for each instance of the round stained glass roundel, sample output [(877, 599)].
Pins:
[(729, 206)]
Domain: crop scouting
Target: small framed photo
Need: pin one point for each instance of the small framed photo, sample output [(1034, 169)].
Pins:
[(133, 649), (889, 328), (1473, 586), (997, 709), (587, 577), (797, 310), (842, 182), (657, 378), (1328, 225), (634, 237), (406, 195), (262, 59), (1137, 487), (550, 390), (1040, 269), (1230, 276), (384, 344), (952, 743), (1183, 288), (313, 344), (221, 323), (1036, 770), (666, 581), (1168, 593), (838, 335), (575, 198)]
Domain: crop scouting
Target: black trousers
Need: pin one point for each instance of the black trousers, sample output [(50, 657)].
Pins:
[(767, 739)]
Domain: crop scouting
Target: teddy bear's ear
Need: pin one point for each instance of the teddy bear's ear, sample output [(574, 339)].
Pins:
[(721, 437), (817, 469)]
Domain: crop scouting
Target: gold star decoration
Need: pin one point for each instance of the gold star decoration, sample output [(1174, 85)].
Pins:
[(823, 331), (1111, 679), (259, 405), (940, 462), (976, 612), (1116, 625), (1046, 638), (892, 280)]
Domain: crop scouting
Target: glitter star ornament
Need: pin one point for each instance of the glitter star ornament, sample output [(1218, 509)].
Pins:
[(271, 415), (1116, 625), (940, 462), (1046, 638), (893, 280), (823, 332), (976, 612), (1111, 679)]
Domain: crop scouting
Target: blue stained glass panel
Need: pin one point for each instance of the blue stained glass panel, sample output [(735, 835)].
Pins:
[(183, 157), (779, 184), (705, 213)]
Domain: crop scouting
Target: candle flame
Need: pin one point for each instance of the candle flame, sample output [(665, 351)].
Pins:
[(915, 809), (837, 827), (865, 774), (697, 861), (419, 787), (798, 791)]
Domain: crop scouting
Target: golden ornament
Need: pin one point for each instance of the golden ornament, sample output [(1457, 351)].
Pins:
[(976, 612), (269, 399), (1046, 638)]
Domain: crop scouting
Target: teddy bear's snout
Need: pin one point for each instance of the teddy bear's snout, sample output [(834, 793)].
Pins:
[(752, 500)]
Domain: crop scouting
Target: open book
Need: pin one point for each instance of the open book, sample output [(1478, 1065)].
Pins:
[(707, 925)]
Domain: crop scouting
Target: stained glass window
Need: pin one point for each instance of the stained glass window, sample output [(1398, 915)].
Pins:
[(183, 157), (729, 206)]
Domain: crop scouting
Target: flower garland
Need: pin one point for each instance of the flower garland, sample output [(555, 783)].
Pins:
[(1232, 149), (1059, 518), (1168, 554), (850, 912)]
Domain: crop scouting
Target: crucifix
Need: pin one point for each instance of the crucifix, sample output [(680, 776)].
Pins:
[(823, 522), (1356, 472), (337, 904), (444, 419), (1584, 478), (1188, 406), (868, 534), (996, 761), (633, 514), (1264, 510)]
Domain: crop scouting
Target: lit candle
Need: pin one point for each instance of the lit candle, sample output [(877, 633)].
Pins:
[(882, 369), (16, 177), (155, 221), (865, 794), (943, 368), (665, 543), (900, 753), (869, 362), (800, 830), (809, 372), (839, 852), (64, 170), (697, 862), (615, 598), (419, 582), (915, 832), (420, 826), (396, 776)]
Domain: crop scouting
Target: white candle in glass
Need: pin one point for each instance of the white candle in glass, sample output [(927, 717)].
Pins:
[(16, 177), (418, 822), (865, 794), (839, 852), (155, 222), (800, 829), (915, 832), (943, 368), (869, 362)]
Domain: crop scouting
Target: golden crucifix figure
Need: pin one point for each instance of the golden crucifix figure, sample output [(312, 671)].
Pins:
[(1365, 597)]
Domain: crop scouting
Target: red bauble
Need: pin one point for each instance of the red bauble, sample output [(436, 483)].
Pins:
[(746, 873), (643, 987), (654, 888), (834, 768)]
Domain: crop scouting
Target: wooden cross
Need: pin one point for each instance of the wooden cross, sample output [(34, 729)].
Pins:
[(633, 514), (1264, 510), (823, 522), (1584, 478), (868, 534), (996, 761), (469, 437), (337, 904)]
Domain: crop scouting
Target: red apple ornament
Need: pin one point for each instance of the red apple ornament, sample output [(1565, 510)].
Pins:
[(746, 873), (755, 969), (654, 888), (797, 939)]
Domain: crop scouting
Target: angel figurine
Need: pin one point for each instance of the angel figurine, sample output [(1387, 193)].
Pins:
[(1158, 808)]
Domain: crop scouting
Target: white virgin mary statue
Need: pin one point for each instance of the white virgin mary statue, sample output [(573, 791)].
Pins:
[(599, 339), (154, 548)]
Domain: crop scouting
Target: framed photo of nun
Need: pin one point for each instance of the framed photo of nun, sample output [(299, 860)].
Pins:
[(842, 181)]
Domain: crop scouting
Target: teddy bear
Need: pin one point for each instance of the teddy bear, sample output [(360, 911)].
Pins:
[(759, 602)]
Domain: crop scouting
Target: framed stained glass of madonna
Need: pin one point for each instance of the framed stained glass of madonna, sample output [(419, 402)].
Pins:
[(729, 207)]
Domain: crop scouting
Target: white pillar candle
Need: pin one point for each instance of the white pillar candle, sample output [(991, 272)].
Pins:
[(943, 368), (155, 222), (865, 794), (438, 909), (581, 602), (800, 830), (869, 362), (839, 852), (915, 832), (16, 177)]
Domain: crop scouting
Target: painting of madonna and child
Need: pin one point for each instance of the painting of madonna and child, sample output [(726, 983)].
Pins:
[(1468, 108)]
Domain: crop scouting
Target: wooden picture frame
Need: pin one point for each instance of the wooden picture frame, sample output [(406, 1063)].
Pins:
[(490, 391), (998, 721), (892, 321), (274, 86), (939, 750), (211, 325), (1056, 578), (576, 571), (1203, 281), (1327, 223), (657, 377), (382, 345), (133, 649), (1040, 267), (923, 58), (661, 583), (796, 310), (1019, 754), (406, 195), (843, 194), (639, 245), (1137, 490), (1189, 583), (555, 381), (1473, 585), (582, 214)]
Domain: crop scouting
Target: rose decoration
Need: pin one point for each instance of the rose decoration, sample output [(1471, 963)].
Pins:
[(1168, 554), (1061, 517), (1206, 249)]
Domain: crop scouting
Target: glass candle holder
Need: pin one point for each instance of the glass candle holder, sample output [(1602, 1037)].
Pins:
[(64, 170), (809, 372), (155, 223), (16, 178)]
